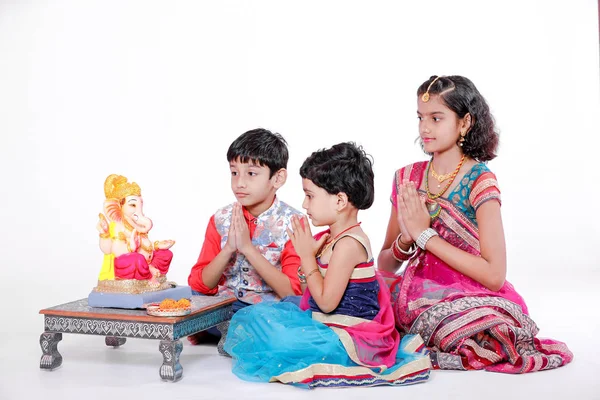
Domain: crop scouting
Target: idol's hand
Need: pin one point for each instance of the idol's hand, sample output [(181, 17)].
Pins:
[(102, 225), (163, 244)]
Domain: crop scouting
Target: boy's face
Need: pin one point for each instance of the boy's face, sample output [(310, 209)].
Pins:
[(252, 186)]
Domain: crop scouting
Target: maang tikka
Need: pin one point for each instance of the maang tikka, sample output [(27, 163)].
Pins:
[(425, 96)]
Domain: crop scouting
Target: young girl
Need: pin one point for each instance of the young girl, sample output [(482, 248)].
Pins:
[(343, 333), (445, 221)]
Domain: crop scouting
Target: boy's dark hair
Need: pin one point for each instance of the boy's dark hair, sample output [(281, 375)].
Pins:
[(346, 168), (461, 96), (260, 146)]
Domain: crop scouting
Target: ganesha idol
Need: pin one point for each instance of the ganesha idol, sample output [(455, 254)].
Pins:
[(132, 263)]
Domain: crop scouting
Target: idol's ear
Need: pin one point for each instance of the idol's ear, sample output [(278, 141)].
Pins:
[(112, 209)]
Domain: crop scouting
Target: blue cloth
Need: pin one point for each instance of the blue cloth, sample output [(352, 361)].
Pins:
[(238, 305), (292, 299), (270, 338), (295, 341)]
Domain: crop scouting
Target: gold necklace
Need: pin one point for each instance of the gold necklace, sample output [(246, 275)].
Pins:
[(440, 178), (432, 206)]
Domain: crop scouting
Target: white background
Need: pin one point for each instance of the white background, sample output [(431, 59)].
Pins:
[(156, 91)]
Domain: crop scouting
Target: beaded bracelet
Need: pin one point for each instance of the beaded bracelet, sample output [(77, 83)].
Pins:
[(399, 254), (425, 236), (301, 276)]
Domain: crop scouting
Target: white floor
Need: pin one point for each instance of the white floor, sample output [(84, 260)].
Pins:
[(90, 370)]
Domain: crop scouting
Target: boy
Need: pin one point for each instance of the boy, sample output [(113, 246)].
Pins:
[(246, 250)]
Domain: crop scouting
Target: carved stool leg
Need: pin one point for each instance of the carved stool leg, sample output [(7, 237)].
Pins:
[(51, 358), (170, 369), (223, 327), (114, 341)]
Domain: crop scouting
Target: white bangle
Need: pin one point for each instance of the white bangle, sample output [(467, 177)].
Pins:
[(425, 236)]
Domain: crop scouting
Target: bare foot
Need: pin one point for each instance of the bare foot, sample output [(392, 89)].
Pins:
[(153, 283)]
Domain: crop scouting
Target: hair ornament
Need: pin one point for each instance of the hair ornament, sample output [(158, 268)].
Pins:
[(425, 96)]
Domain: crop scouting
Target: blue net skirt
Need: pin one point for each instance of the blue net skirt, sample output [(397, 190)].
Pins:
[(269, 339)]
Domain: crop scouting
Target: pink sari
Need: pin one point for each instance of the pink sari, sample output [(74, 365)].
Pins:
[(464, 324)]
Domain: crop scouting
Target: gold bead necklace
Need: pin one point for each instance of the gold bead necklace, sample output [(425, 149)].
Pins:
[(432, 206)]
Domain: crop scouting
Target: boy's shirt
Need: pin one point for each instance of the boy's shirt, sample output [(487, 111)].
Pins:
[(240, 278)]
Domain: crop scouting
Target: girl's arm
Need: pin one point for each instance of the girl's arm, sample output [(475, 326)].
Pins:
[(327, 292), (489, 269)]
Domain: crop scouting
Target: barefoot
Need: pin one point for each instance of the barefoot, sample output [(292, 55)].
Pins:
[(153, 283)]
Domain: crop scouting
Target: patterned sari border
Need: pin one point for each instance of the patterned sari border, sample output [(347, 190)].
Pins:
[(414, 371), (428, 321), (452, 327), (337, 319), (415, 344), (451, 221)]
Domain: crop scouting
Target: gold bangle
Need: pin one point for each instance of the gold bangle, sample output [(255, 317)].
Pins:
[(399, 239), (311, 272), (105, 235)]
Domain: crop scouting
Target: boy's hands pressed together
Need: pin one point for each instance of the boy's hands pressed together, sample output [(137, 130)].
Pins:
[(243, 243), (230, 245)]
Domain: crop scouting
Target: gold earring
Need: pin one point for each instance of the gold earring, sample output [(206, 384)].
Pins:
[(462, 138)]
